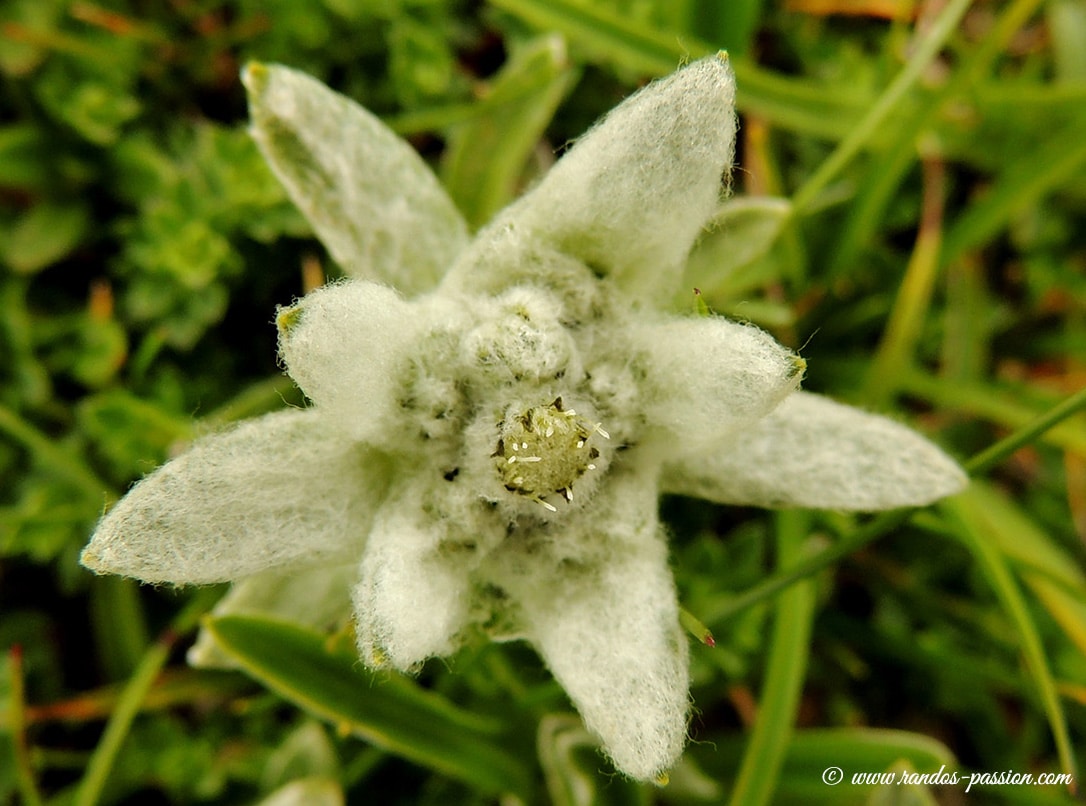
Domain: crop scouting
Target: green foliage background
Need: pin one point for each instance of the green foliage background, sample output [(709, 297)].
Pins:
[(929, 260)]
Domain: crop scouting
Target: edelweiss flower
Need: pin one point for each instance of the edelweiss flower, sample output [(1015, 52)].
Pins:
[(487, 444)]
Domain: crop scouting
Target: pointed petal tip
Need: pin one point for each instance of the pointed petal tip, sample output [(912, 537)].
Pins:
[(90, 560), (286, 317), (254, 77)]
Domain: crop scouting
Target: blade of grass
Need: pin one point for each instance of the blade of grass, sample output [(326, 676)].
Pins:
[(990, 457), (967, 329), (486, 157), (1004, 407), (887, 172), (790, 103), (898, 344), (135, 691), (395, 713), (62, 462), (24, 772), (119, 625), (927, 49), (1037, 172), (994, 565), (787, 667), (1047, 569)]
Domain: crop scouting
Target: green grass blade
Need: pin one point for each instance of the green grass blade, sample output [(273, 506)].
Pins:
[(135, 691), (993, 563), (927, 49), (570, 758), (811, 752), (1004, 407), (1035, 173), (387, 710), (1052, 573), (787, 667), (898, 345), (612, 38), (887, 172), (486, 157), (64, 463)]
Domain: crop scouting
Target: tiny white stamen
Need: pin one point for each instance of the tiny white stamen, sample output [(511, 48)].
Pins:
[(590, 466), (551, 507), (518, 480), (550, 432), (524, 445), (516, 447), (570, 413), (580, 443), (600, 431), (531, 458), (569, 494), (511, 459)]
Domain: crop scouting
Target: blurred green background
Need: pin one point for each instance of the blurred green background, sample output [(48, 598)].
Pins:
[(910, 211)]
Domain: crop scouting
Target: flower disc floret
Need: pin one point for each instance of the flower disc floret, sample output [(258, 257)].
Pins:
[(543, 450)]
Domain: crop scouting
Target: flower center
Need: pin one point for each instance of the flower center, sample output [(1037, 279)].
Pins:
[(543, 450)]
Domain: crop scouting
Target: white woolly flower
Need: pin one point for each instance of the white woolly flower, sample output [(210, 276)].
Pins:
[(494, 418)]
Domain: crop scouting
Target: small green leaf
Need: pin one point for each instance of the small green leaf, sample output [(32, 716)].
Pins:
[(387, 710), (44, 235), (741, 233)]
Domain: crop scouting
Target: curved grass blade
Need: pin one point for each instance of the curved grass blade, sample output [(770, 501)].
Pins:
[(995, 568), (787, 669), (387, 710)]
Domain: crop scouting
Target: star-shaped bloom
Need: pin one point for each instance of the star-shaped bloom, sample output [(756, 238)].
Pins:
[(494, 418)]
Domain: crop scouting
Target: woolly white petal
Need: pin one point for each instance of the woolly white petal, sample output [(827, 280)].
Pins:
[(413, 597), (317, 597), (346, 346), (813, 452), (605, 620), (711, 377), (282, 488), (370, 198), (632, 195), (311, 791)]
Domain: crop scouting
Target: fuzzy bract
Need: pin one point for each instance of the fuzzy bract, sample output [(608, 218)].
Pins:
[(493, 419)]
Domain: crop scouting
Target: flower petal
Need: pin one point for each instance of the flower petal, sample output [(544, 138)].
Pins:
[(710, 377), (632, 195), (273, 490), (317, 597), (346, 346), (606, 623), (414, 595), (813, 452), (371, 199)]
